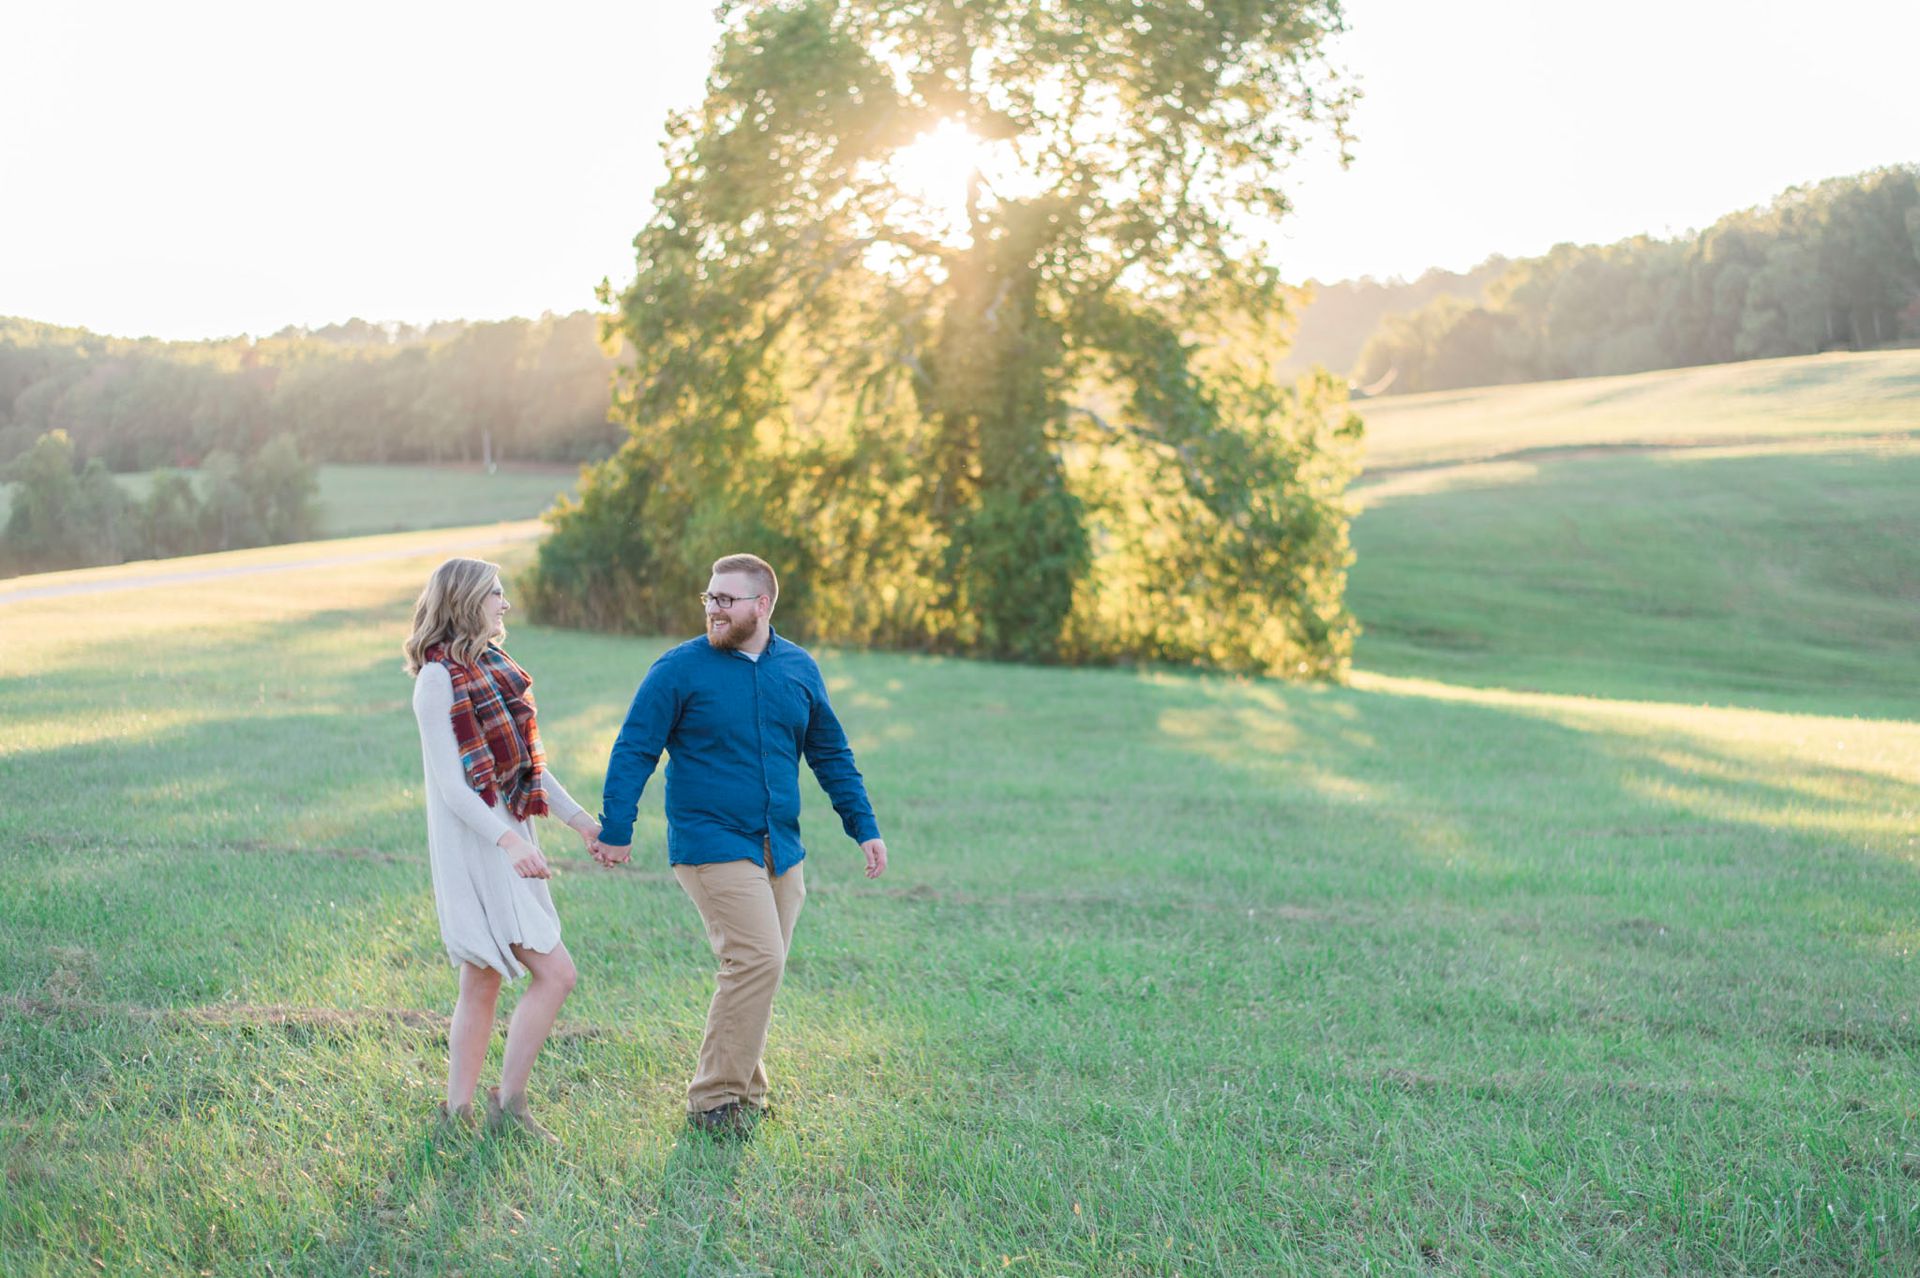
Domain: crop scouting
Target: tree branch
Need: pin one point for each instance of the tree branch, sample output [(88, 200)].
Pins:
[(1196, 477)]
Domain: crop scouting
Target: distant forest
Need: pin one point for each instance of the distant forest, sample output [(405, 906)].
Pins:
[(1830, 266), (520, 390), (1834, 266), (1337, 320)]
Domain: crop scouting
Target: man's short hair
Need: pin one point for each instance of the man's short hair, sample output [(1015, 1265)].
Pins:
[(753, 566)]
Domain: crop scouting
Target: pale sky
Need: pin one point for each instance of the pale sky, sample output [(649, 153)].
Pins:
[(206, 169)]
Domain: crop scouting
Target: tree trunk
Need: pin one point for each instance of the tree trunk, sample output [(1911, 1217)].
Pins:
[(1016, 544)]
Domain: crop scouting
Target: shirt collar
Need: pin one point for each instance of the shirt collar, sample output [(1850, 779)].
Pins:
[(773, 641)]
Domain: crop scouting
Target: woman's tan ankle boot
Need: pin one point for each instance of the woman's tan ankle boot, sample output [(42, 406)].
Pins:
[(459, 1118), (511, 1114)]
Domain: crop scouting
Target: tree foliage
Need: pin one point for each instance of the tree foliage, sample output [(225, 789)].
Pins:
[(1831, 266), (527, 390), (1037, 423), (66, 513)]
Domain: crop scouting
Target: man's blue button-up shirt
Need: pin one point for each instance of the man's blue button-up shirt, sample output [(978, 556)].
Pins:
[(734, 730)]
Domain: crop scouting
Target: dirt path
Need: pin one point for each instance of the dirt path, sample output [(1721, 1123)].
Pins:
[(21, 589)]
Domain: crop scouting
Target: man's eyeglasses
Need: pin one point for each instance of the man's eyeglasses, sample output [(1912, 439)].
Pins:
[(725, 601)]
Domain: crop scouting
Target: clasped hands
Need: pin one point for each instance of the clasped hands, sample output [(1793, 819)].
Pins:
[(612, 854), (529, 864), (609, 854), (604, 854)]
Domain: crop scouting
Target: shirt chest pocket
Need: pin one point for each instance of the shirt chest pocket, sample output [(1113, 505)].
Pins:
[(785, 707)]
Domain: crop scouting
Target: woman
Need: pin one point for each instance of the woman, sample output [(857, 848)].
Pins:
[(486, 778)]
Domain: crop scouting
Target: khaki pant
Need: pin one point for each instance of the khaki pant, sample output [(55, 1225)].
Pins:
[(749, 913)]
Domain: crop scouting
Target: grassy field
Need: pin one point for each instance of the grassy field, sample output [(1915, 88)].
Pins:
[(1767, 576), (1172, 975), (1576, 936), (1841, 395), (359, 500), (1500, 546), (371, 499)]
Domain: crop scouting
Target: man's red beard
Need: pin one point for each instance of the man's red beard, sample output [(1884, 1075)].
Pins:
[(730, 636)]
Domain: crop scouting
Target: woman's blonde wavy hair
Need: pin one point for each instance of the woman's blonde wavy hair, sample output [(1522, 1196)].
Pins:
[(450, 611)]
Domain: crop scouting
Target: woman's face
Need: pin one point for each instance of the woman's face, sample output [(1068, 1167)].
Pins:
[(495, 609)]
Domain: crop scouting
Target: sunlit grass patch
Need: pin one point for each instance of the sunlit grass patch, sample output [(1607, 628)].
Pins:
[(1839, 395), (1781, 579), (1171, 974)]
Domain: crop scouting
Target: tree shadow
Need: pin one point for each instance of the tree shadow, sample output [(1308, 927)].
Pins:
[(1627, 870), (1782, 580), (1136, 916)]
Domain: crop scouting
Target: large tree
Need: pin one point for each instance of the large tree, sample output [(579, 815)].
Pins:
[(1031, 417)]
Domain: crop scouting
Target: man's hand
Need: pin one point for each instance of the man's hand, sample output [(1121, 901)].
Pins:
[(876, 850), (526, 858), (610, 854)]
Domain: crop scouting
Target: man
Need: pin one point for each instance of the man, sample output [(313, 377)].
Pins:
[(735, 710)]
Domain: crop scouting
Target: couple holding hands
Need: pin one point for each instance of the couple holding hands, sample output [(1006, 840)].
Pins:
[(735, 711)]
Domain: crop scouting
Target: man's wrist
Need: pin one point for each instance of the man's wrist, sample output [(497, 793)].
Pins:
[(615, 832)]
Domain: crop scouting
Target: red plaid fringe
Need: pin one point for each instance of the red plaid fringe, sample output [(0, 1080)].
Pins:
[(493, 722)]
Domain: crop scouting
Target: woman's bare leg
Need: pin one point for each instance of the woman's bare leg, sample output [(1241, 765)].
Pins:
[(553, 979), (472, 1027)]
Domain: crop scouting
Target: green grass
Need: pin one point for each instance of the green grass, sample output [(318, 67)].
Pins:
[(355, 500), (1513, 957), (1839, 395), (1610, 537), (360, 500), (1764, 576), (1171, 975)]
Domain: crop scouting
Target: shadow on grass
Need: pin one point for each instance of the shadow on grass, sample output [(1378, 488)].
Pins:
[(1508, 927), (1783, 582), (1356, 962)]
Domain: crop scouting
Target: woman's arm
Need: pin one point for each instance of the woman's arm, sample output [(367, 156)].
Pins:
[(562, 807), (433, 708)]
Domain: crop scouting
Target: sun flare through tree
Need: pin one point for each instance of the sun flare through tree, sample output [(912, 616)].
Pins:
[(957, 311)]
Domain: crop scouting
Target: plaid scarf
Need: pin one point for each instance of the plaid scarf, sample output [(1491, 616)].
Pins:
[(494, 725)]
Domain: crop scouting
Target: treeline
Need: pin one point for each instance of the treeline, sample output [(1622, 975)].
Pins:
[(1835, 266), (525, 390), (70, 513), (1332, 323)]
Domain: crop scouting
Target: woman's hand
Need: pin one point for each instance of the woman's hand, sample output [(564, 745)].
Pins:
[(526, 858), (589, 831)]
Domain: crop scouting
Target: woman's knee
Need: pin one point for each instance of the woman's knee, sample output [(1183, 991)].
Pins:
[(479, 979), (554, 970), (479, 982)]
